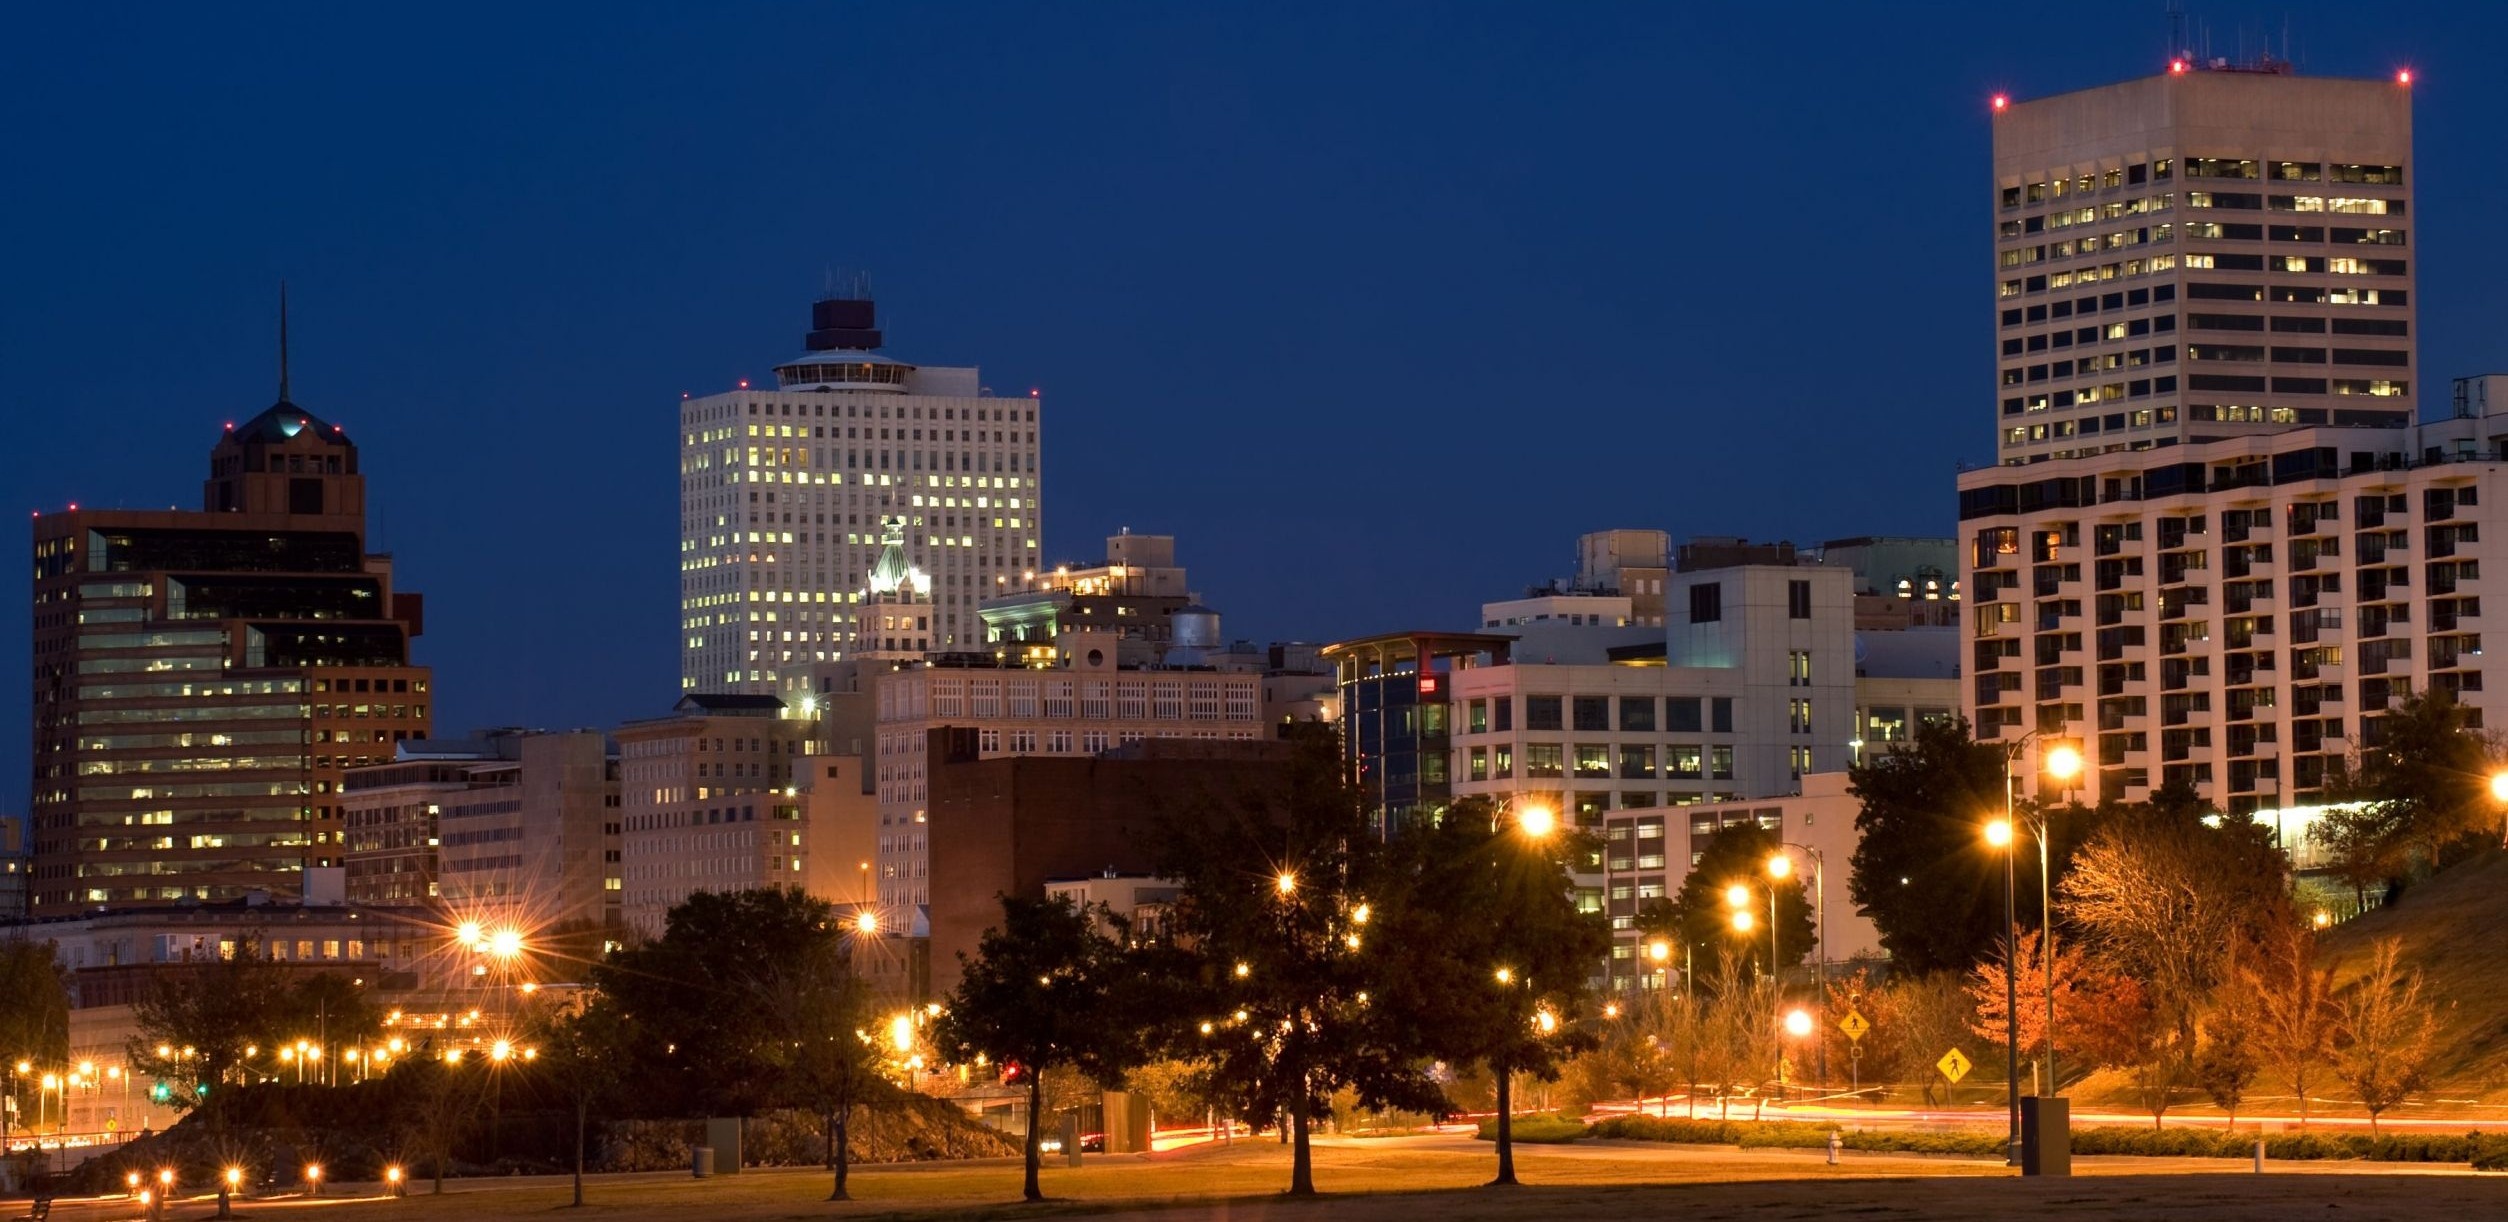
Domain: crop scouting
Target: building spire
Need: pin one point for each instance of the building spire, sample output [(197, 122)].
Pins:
[(283, 341)]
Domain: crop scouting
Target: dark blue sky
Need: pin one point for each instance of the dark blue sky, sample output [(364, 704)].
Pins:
[(1375, 310)]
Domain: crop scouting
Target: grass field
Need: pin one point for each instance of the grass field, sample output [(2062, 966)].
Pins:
[(1399, 1179)]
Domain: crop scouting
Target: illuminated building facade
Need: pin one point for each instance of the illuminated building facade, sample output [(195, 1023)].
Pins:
[(2218, 251), (785, 492), (203, 681)]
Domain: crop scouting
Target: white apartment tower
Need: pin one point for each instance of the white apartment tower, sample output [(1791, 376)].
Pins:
[(2235, 596), (2216, 251), (783, 494)]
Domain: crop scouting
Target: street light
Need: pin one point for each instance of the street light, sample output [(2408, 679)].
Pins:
[(2499, 794), (1781, 866), (1537, 821)]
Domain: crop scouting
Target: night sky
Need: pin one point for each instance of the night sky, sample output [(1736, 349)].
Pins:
[(1376, 311)]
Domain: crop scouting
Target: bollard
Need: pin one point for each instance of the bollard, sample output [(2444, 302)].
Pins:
[(701, 1162), (1833, 1145), (2259, 1156)]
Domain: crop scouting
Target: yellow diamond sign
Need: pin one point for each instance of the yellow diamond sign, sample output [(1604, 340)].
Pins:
[(1953, 1065), (1853, 1025)]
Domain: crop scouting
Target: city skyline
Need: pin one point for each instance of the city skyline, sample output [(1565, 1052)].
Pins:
[(542, 363)]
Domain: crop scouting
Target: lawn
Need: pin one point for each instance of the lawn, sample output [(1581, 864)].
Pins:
[(1396, 1180)]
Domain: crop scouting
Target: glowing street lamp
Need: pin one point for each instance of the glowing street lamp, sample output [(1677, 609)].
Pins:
[(1287, 882), (1798, 1023), (1999, 833), (1537, 821), (866, 922), (505, 943)]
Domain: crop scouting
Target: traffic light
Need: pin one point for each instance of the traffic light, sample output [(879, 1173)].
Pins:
[(201, 1091), (160, 1093)]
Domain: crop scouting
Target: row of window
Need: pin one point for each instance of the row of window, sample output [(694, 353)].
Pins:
[(2278, 354), (2087, 366), (2162, 169), (2338, 265), (827, 411), (2085, 336), (2109, 392), (1601, 761), (1593, 713), (2127, 299), (2299, 326)]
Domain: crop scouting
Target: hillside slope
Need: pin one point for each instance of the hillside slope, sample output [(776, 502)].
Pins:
[(2455, 929)]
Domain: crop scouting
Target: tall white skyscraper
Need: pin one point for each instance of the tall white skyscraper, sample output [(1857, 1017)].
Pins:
[(2216, 251), (782, 494)]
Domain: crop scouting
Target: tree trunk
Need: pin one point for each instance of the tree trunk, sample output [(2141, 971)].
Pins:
[(1301, 1158), (840, 1139), (582, 1106), (1036, 1132), (1506, 1128)]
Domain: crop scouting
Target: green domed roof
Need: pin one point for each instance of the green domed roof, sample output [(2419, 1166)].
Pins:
[(282, 422)]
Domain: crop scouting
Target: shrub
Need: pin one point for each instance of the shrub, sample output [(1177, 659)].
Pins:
[(2486, 1153), (1548, 1130), (1670, 1128)]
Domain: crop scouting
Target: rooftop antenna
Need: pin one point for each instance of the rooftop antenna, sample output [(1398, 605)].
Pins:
[(2177, 30), (283, 341)]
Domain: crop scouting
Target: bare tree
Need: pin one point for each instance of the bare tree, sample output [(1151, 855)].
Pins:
[(2290, 999), (2387, 1033), (2162, 895)]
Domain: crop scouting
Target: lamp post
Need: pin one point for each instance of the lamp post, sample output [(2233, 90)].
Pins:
[(2499, 794), (2062, 762), (1999, 835), (1779, 867)]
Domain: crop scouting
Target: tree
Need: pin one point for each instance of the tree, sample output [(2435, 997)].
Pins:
[(2081, 987), (328, 1007), (1916, 1019), (1634, 1054), (204, 1014), (2163, 894), (34, 1003), (584, 1050), (2421, 788), (2225, 1061), (826, 1053), (1738, 855), (702, 997), (1042, 996), (445, 1098), (2387, 1034), (1277, 968), (1920, 872), (2291, 1000), (1493, 953)]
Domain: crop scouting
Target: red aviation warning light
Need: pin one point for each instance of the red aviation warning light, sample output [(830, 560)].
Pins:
[(2177, 67), (2403, 76), (2002, 102)]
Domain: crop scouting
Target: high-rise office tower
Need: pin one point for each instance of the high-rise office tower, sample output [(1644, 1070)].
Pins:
[(2216, 251), (784, 494), (204, 680), (2236, 590)]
